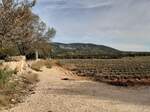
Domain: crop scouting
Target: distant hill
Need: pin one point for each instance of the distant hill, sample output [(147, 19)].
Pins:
[(81, 50)]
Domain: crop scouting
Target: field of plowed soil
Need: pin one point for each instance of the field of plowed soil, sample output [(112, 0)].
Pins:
[(120, 72)]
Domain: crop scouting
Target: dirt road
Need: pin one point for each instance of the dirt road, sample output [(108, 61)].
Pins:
[(55, 95)]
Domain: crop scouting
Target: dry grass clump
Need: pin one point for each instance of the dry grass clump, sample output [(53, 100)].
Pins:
[(44, 63), (56, 63), (5, 86), (3, 100), (30, 77), (4, 77), (48, 63), (37, 65), (41, 63)]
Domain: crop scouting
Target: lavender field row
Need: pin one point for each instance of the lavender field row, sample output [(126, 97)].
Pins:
[(124, 72)]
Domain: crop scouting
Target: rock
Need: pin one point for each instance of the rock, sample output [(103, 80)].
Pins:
[(13, 100), (15, 58), (16, 63), (65, 79)]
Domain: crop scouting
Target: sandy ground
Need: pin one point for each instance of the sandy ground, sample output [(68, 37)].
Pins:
[(77, 95)]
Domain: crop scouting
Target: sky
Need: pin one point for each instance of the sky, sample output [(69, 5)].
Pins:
[(122, 24)]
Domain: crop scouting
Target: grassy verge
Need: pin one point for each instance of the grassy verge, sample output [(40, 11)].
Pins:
[(41, 63), (4, 77), (13, 87)]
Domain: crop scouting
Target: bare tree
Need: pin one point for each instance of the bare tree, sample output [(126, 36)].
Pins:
[(21, 28)]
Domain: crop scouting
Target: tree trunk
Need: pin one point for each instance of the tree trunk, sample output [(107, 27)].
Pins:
[(36, 55)]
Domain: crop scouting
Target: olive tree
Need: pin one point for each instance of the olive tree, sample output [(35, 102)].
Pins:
[(21, 29)]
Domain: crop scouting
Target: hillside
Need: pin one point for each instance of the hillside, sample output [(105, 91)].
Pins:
[(83, 50), (75, 50)]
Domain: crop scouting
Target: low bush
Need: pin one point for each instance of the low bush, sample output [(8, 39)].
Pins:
[(4, 76), (14, 86), (56, 62), (41, 63)]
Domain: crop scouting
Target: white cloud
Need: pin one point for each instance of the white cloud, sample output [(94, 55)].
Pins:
[(125, 22)]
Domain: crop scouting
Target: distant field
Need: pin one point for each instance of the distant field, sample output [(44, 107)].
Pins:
[(121, 72)]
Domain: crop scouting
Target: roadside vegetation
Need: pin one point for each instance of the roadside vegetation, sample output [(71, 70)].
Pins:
[(4, 77), (21, 33), (37, 65), (14, 86)]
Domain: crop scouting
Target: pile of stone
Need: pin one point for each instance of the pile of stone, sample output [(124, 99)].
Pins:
[(15, 58), (17, 63)]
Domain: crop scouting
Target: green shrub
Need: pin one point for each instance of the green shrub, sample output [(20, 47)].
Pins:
[(4, 76)]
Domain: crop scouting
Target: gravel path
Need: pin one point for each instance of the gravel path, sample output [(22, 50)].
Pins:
[(76, 95)]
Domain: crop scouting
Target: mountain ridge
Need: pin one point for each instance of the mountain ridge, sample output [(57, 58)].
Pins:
[(90, 50), (82, 49)]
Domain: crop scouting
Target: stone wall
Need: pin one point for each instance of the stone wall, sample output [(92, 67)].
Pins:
[(17, 63)]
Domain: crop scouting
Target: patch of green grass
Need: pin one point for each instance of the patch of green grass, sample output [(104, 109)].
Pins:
[(13, 87), (4, 76)]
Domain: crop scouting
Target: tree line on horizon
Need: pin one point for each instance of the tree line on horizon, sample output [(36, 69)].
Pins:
[(21, 31)]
